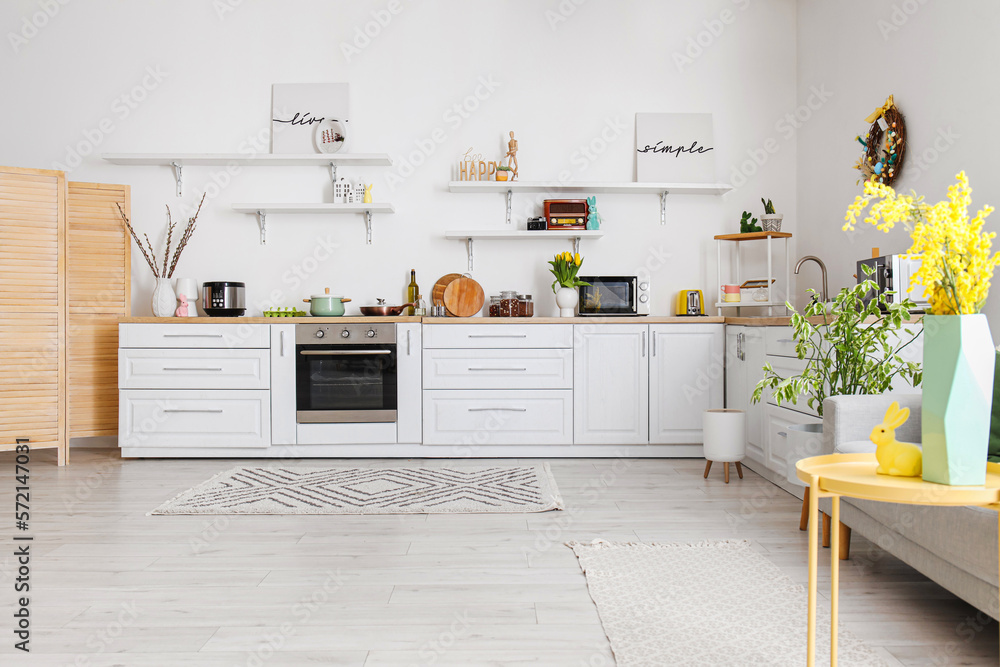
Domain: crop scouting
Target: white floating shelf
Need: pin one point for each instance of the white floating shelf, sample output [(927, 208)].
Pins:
[(242, 159), (262, 211), (472, 235), (495, 235), (750, 304), (597, 187), (180, 160)]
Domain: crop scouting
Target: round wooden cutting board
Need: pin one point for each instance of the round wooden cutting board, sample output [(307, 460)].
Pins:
[(437, 294), (464, 297)]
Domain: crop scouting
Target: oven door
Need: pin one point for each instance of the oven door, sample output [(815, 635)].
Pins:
[(345, 383), (608, 295)]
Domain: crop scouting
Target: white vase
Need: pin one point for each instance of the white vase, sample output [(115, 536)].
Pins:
[(566, 299), (164, 299), (189, 288)]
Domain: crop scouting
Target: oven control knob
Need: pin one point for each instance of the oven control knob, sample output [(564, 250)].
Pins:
[(320, 333), (643, 298), (345, 334), (371, 333)]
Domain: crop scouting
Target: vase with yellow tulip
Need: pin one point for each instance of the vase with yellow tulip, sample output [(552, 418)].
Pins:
[(565, 266), (957, 264)]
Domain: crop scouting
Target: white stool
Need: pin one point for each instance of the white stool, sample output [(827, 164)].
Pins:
[(725, 434)]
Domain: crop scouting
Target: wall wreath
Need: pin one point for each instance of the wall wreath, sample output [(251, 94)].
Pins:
[(885, 145)]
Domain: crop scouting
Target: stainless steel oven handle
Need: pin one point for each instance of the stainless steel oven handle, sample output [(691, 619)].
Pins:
[(498, 409), (342, 353)]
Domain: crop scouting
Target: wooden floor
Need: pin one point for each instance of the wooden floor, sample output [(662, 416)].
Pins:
[(107, 580)]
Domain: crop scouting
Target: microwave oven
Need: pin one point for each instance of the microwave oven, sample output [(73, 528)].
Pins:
[(614, 296), (892, 275)]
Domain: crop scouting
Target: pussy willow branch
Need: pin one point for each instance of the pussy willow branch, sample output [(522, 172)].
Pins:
[(135, 237), (185, 237), (170, 234), (152, 253)]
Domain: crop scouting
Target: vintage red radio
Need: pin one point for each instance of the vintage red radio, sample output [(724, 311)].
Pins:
[(566, 213)]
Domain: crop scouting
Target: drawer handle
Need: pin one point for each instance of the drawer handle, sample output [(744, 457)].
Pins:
[(498, 409), (181, 368), (782, 434), (172, 335), (202, 410), (498, 369), (786, 340), (498, 335)]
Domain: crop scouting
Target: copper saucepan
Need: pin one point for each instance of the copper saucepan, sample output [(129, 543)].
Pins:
[(382, 310)]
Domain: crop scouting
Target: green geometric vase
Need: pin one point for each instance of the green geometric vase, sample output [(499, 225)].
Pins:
[(957, 398)]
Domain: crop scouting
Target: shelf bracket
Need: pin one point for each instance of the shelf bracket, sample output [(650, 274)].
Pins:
[(262, 223), (333, 173), (178, 176), (576, 245), (663, 207), (469, 252), (368, 227), (510, 196)]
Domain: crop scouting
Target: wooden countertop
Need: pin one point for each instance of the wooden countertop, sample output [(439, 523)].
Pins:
[(647, 319), (264, 320)]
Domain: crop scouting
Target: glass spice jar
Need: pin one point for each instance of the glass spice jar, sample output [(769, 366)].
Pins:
[(508, 304), (527, 306), (522, 306), (494, 306)]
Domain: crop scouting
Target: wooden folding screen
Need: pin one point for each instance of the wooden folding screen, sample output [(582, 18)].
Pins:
[(98, 259), (64, 282), (32, 309)]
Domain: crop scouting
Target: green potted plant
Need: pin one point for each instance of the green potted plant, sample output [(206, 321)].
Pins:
[(503, 173), (854, 349), (770, 220)]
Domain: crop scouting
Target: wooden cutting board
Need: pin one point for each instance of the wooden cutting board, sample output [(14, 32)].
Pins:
[(464, 297), (437, 294)]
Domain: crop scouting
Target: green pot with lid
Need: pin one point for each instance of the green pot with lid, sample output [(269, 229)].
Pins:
[(326, 305)]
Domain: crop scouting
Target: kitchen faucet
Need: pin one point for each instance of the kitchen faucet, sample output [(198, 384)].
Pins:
[(823, 294)]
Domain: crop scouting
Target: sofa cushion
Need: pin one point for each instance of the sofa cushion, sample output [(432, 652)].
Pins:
[(963, 536), (855, 447)]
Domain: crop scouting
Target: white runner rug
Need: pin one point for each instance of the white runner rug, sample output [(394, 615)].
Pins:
[(430, 490), (717, 603)]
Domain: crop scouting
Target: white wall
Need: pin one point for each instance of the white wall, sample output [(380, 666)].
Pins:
[(566, 70), (938, 59)]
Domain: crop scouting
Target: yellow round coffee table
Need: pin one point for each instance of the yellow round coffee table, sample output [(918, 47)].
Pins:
[(854, 476)]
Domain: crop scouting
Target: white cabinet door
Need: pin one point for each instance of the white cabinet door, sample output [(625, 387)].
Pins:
[(687, 376), (611, 384), (498, 417), (283, 384), (779, 445), (409, 389), (194, 419), (752, 348)]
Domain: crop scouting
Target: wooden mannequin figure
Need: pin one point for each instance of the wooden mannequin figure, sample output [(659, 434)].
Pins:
[(512, 154)]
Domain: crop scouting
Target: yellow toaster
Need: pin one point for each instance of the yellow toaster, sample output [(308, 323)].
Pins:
[(690, 302)]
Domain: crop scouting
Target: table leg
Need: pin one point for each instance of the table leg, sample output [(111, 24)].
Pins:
[(834, 575), (813, 557)]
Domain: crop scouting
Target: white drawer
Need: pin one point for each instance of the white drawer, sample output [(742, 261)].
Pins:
[(144, 368), (194, 335), (780, 445), (498, 417), (779, 341), (786, 367), (194, 419), (498, 336), (498, 369)]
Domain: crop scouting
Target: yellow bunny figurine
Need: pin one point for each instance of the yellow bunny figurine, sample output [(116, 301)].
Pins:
[(368, 194), (900, 459)]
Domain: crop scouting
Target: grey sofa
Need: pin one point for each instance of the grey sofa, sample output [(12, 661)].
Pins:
[(954, 546)]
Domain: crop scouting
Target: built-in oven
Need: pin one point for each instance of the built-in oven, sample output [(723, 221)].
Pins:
[(345, 373)]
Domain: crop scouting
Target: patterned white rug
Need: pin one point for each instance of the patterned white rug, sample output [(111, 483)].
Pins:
[(714, 603), (466, 489)]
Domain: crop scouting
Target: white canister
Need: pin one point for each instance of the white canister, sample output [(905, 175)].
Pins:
[(189, 288)]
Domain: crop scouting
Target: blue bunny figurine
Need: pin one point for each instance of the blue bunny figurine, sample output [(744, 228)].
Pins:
[(593, 217)]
